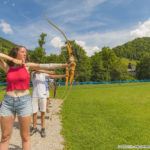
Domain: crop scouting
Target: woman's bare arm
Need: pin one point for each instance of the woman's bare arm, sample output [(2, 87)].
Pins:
[(58, 76), (4, 66), (4, 56), (35, 66), (16, 61), (46, 71)]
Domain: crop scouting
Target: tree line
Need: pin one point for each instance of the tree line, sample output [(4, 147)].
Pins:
[(105, 65)]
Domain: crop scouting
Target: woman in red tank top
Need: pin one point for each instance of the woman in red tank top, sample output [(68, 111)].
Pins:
[(17, 99)]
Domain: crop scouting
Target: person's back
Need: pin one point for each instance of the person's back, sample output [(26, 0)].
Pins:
[(39, 88)]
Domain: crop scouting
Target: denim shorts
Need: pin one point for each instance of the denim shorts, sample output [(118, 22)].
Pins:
[(21, 106)]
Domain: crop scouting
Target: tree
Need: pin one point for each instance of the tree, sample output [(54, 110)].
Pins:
[(110, 66), (98, 70), (42, 40), (83, 66), (143, 68), (2, 76), (38, 55), (109, 59), (119, 71)]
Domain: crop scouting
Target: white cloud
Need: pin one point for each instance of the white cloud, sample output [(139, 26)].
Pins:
[(76, 17), (6, 28), (142, 30), (29, 34), (93, 42), (89, 49), (111, 38), (57, 42), (90, 41), (90, 4)]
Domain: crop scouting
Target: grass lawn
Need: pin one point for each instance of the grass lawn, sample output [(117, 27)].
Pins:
[(2, 92), (101, 117)]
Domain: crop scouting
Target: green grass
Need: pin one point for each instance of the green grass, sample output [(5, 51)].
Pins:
[(2, 92), (101, 117)]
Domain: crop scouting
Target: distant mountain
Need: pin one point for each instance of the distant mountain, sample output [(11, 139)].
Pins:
[(135, 49)]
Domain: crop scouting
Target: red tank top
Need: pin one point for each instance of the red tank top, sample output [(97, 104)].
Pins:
[(18, 79)]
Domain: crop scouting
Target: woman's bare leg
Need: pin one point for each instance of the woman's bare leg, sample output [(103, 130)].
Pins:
[(6, 127), (24, 123)]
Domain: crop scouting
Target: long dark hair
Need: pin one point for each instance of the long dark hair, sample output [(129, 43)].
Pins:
[(13, 53)]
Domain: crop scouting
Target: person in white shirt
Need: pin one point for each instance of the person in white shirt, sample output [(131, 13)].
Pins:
[(39, 98)]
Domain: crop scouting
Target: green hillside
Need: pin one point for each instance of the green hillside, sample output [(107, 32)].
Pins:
[(5, 45), (134, 49)]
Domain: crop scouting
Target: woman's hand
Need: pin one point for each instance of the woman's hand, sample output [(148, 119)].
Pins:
[(72, 64), (3, 56), (66, 75), (52, 72)]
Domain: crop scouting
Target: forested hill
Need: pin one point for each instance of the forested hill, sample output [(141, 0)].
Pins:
[(5, 45), (134, 49)]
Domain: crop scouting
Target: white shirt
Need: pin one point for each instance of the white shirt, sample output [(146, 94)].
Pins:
[(39, 88)]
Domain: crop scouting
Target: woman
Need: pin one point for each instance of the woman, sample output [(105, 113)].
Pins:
[(17, 99)]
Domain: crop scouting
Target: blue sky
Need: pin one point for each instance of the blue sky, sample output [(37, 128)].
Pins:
[(92, 23)]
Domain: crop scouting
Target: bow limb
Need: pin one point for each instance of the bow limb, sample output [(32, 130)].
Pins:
[(71, 60), (67, 78), (54, 90), (71, 57), (56, 28)]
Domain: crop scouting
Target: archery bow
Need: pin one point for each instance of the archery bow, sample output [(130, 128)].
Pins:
[(71, 57), (55, 87)]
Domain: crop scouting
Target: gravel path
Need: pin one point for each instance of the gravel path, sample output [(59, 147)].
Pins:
[(53, 140)]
